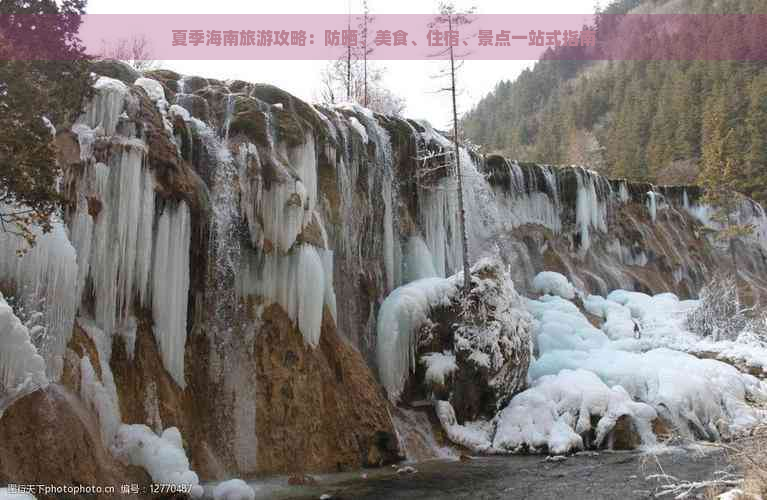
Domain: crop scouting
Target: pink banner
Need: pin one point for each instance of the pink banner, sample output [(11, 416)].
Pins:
[(415, 37)]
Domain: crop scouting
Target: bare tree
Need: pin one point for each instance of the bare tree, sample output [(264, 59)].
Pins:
[(453, 20), (334, 83), (364, 49), (136, 51)]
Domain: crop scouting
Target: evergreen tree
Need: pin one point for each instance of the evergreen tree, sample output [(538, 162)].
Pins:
[(44, 75)]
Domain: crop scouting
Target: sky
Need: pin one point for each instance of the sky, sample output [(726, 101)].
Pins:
[(411, 80)]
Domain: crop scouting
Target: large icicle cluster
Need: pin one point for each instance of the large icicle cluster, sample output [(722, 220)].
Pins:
[(43, 279), (21, 369), (127, 251), (170, 287), (294, 274), (527, 202), (590, 205)]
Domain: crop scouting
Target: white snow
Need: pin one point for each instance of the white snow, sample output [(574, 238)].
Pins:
[(476, 436), (234, 489), (439, 365), (585, 371), (162, 456), (557, 409), (552, 283), (153, 88), (178, 111), (22, 369)]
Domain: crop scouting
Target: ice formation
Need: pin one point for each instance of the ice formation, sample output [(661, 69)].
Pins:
[(170, 287), (529, 203), (402, 314), (43, 280), (552, 283), (100, 394), (476, 436), (104, 110), (234, 489), (584, 371), (163, 456), (125, 250), (590, 206), (557, 409), (22, 369)]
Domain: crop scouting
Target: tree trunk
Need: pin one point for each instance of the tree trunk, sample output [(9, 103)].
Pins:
[(349, 59), (365, 54), (461, 209)]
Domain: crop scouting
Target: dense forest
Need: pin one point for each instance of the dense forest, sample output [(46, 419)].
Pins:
[(643, 120)]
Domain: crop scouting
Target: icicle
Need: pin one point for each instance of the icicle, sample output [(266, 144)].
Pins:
[(652, 204), (45, 280), (105, 108), (170, 287), (418, 262), (22, 369), (590, 210), (122, 242)]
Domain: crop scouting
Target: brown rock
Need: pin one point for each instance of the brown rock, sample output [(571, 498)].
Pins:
[(318, 409), (49, 437), (624, 435)]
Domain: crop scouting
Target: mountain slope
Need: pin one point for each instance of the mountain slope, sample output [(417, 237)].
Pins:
[(644, 120)]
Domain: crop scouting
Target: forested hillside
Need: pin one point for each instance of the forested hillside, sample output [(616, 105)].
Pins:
[(643, 120)]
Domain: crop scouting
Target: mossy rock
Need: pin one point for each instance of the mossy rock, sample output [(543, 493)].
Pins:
[(168, 78), (196, 105), (117, 70), (239, 86), (252, 124), (303, 115), (194, 83)]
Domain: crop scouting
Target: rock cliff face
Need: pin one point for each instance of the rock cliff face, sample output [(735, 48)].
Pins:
[(234, 246)]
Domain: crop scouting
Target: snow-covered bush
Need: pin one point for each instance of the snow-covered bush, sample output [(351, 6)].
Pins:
[(552, 283), (720, 315)]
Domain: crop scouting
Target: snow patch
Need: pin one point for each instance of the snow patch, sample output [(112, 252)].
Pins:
[(552, 283), (162, 456), (234, 489)]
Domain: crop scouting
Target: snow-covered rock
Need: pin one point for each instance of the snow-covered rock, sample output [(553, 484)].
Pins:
[(552, 283), (163, 457), (234, 489)]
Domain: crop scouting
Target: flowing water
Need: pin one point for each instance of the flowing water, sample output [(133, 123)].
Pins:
[(606, 475)]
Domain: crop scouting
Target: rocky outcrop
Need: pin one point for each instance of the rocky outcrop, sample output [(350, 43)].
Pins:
[(50, 438), (473, 352)]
